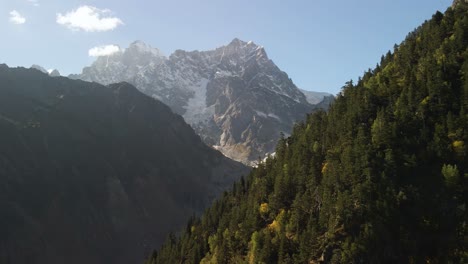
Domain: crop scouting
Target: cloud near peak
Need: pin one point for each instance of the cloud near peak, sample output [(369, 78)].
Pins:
[(89, 19), (17, 18), (104, 50)]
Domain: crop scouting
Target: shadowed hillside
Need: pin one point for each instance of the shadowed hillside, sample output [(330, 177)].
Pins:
[(95, 174)]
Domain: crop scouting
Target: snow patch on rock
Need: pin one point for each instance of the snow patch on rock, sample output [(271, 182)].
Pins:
[(269, 115), (197, 110)]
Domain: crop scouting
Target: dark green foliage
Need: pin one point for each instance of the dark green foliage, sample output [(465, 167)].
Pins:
[(381, 178)]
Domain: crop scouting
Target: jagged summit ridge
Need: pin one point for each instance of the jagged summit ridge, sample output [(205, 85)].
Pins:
[(234, 96), (145, 48)]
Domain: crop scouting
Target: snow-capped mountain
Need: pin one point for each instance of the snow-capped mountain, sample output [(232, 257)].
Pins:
[(234, 97)]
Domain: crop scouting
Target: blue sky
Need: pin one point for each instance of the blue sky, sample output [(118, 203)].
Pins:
[(321, 44)]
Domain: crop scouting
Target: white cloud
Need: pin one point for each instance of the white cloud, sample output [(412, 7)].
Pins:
[(89, 18), (34, 2), (17, 18), (104, 50)]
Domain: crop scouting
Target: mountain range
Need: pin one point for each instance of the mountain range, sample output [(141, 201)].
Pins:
[(104, 166), (96, 174), (234, 97)]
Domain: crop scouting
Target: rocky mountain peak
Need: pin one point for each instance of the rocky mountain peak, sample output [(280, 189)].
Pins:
[(234, 97), (244, 50), (236, 42), (240, 43), (142, 47)]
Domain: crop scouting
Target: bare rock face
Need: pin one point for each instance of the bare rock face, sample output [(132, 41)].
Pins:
[(234, 97)]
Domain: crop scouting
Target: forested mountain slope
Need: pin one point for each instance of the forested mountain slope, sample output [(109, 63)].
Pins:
[(95, 174), (381, 178)]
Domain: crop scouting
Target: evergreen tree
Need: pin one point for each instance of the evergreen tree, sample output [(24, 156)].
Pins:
[(381, 178)]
